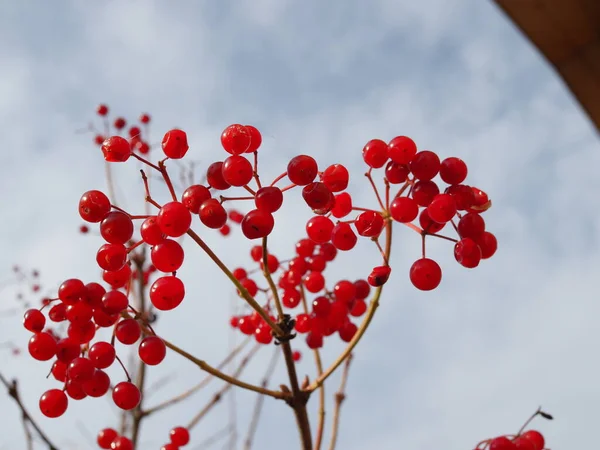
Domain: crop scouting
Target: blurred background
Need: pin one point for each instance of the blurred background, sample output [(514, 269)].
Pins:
[(443, 369)]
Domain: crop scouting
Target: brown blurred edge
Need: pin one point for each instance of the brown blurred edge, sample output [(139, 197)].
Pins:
[(567, 33)]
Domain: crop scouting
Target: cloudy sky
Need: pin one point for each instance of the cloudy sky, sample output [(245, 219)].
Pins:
[(443, 369)]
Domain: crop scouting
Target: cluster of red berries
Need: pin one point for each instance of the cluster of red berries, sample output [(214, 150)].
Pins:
[(138, 143), (529, 440), (108, 438)]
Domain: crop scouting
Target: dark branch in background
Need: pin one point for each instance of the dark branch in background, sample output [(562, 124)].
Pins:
[(259, 401), (13, 391), (209, 441)]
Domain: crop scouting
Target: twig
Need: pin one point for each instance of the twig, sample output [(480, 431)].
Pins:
[(28, 436), (259, 402), (340, 396), (13, 391), (214, 438)]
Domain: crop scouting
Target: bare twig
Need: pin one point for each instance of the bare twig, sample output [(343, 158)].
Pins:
[(340, 396)]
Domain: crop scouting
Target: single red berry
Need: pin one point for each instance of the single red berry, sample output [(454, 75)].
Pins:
[(306, 247), (302, 323), (214, 176), (501, 443), (343, 237), (236, 139), (83, 229), (256, 253), (467, 253), (103, 319), (116, 228), (250, 286), (425, 274), (179, 435), (111, 257), (174, 219), (82, 333), (290, 298), (167, 256), (302, 170), (257, 224), (167, 293), (71, 291), (237, 170), (121, 443), (318, 197), (272, 263), (358, 308), (98, 385), (118, 278), (342, 205), (53, 403), (174, 144), (128, 331), (321, 306), (428, 225), (296, 355), (114, 302), (369, 223), (255, 139), (194, 196), (79, 312), (75, 390), (396, 173), (336, 177), (402, 150), (102, 354), (235, 216), (116, 149), (152, 350), (314, 340), (375, 153), (134, 132), (59, 371), (106, 437), (142, 147), (268, 198), (481, 200), (344, 291), (119, 123), (102, 110), (263, 335), (67, 350), (34, 320), (225, 230), (80, 369), (521, 443), (348, 331), (453, 170), (425, 165), (379, 276), (240, 273), (126, 395), (442, 209), (212, 214), (145, 118), (424, 192), (328, 251), (471, 225), (488, 244), (42, 346), (319, 229), (314, 282), (536, 438), (463, 196), (404, 209), (94, 206)]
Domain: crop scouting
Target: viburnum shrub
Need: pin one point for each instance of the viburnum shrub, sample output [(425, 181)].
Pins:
[(412, 187)]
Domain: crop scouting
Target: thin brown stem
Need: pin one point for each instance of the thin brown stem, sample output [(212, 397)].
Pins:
[(370, 178), (165, 175), (340, 396), (13, 391), (269, 278)]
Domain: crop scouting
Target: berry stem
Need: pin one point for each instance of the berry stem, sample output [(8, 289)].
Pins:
[(13, 391), (269, 278), (249, 189), (147, 190), (134, 246), (224, 199), (255, 171), (370, 178), (288, 187), (442, 237), (283, 175), (243, 291), (340, 396), (537, 412), (145, 161), (365, 323), (123, 366), (167, 178)]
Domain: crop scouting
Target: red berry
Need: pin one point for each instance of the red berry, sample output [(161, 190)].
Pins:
[(344, 291), (314, 340), (34, 320), (402, 150), (453, 170), (257, 224), (225, 230), (67, 350), (116, 149), (237, 170), (214, 176), (348, 331), (111, 257), (369, 223), (250, 286), (343, 237), (94, 206), (118, 278), (145, 118), (59, 371), (102, 110), (116, 228), (134, 132), (75, 390), (80, 369), (359, 308), (319, 229), (379, 276), (167, 293), (428, 225), (321, 306), (167, 256), (194, 196), (521, 443), (425, 165), (396, 173), (174, 144), (471, 225), (302, 323), (336, 177), (53, 403), (114, 302), (536, 439), (79, 312), (342, 205), (126, 395), (82, 333), (128, 331), (71, 291), (501, 443), (179, 435), (363, 289), (151, 232), (425, 274), (263, 335), (467, 253), (121, 443), (120, 123), (152, 350), (42, 346), (302, 170), (212, 214), (291, 298), (488, 244), (174, 219), (404, 209), (272, 263), (58, 313), (424, 192), (106, 437), (318, 197), (255, 139), (314, 282), (296, 355), (306, 247), (102, 354), (236, 139), (269, 199), (375, 153), (328, 251), (442, 209), (98, 385), (235, 216), (463, 196)]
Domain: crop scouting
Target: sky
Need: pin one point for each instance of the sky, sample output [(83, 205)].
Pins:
[(442, 369)]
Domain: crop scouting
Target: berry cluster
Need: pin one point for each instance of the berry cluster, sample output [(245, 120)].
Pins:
[(529, 440), (108, 438)]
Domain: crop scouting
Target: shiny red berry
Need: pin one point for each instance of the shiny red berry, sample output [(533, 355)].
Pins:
[(425, 274), (236, 139), (53, 403), (116, 149), (375, 153), (174, 144), (302, 170)]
